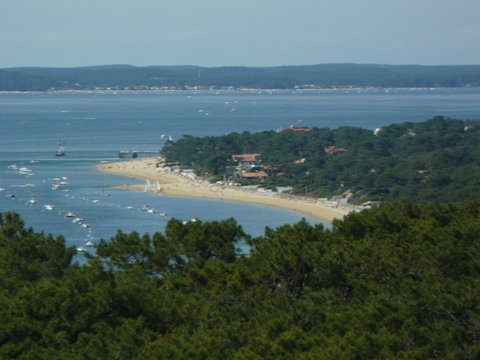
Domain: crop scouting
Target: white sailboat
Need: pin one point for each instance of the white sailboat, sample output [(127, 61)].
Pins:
[(61, 149)]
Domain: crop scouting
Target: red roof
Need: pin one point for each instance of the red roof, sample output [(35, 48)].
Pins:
[(296, 128), (246, 157), (257, 174), (333, 149)]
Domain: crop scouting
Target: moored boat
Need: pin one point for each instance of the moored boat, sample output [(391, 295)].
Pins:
[(61, 149)]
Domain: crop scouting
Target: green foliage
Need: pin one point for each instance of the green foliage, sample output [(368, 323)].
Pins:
[(431, 161), (400, 281), (182, 243), (283, 77), (29, 256)]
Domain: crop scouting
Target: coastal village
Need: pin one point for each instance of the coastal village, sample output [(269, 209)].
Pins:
[(246, 172), (249, 166), (249, 172), (171, 180)]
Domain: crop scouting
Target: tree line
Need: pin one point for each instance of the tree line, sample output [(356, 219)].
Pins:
[(399, 281), (431, 161), (282, 77)]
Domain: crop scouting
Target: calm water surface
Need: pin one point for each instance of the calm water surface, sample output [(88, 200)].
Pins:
[(95, 126)]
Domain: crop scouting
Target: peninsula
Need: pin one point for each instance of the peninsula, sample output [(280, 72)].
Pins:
[(166, 181)]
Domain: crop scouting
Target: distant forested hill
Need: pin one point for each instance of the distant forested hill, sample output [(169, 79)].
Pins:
[(283, 77), (432, 161)]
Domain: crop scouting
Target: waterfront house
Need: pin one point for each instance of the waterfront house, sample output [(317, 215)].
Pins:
[(260, 174), (298, 128)]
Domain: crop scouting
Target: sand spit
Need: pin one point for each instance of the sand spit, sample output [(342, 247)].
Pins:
[(170, 181)]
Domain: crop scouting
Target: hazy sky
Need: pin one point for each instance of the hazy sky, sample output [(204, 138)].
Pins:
[(238, 32)]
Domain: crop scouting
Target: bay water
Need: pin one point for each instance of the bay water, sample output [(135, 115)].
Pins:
[(52, 193)]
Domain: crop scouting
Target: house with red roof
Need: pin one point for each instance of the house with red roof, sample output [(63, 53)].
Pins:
[(246, 161), (298, 128), (248, 166), (333, 150), (261, 174)]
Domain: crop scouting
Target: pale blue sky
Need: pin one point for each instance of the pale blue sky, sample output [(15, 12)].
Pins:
[(238, 32)]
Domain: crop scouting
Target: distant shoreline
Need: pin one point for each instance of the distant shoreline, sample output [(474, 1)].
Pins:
[(244, 90), (163, 181), (192, 77)]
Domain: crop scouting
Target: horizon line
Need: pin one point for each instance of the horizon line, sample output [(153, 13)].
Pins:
[(231, 66)]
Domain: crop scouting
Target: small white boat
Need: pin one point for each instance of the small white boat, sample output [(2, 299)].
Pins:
[(81, 249), (25, 171), (148, 208), (48, 207), (61, 149), (77, 220), (69, 214), (89, 244), (32, 202)]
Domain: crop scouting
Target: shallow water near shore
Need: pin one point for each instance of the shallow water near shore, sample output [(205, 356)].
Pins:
[(95, 126), (59, 192)]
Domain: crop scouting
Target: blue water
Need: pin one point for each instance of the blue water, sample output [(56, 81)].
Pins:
[(96, 125)]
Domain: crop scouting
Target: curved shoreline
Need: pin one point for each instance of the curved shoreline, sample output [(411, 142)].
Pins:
[(167, 182)]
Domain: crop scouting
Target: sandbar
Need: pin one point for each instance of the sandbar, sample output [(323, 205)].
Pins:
[(167, 181)]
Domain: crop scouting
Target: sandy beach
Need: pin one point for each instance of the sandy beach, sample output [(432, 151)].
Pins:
[(168, 182)]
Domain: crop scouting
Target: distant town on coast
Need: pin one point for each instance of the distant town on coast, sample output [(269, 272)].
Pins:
[(128, 77)]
